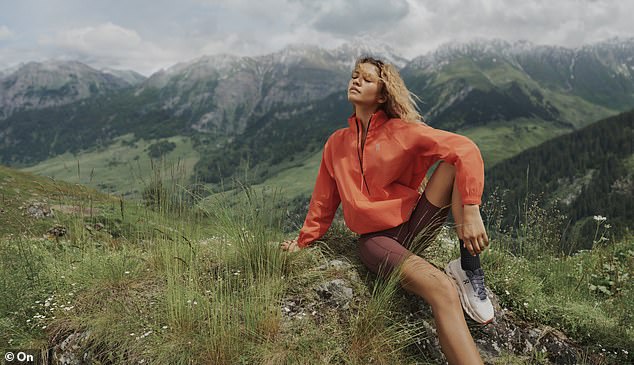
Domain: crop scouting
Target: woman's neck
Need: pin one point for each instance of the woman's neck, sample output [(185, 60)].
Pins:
[(364, 114)]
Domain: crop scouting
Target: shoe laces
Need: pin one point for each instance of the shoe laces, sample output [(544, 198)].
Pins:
[(476, 278)]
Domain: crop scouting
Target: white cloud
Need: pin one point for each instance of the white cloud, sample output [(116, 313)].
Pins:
[(569, 23), (109, 45), (101, 38), (146, 35)]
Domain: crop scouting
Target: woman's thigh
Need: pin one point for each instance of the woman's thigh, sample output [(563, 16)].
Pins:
[(381, 254), (385, 250)]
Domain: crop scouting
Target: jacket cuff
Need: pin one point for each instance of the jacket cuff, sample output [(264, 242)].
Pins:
[(467, 201)]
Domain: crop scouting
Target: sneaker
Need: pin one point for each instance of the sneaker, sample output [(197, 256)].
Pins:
[(472, 292)]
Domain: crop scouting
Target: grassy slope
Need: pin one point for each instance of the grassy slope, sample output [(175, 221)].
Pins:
[(18, 189), (122, 167), (501, 140), (172, 290)]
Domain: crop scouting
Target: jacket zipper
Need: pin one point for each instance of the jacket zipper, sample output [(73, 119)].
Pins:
[(361, 153)]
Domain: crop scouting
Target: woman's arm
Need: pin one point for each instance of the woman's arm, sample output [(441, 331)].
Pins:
[(323, 203), (431, 144)]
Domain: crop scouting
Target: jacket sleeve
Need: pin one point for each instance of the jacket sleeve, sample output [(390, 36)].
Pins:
[(323, 204), (433, 144)]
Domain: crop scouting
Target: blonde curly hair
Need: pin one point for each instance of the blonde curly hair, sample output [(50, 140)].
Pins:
[(399, 101)]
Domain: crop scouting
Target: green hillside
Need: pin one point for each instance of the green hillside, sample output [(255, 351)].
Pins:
[(123, 167), (584, 174), (26, 198)]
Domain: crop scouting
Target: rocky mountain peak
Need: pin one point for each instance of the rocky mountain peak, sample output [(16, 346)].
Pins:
[(35, 85), (130, 76)]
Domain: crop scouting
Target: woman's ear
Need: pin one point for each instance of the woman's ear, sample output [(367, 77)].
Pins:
[(382, 95)]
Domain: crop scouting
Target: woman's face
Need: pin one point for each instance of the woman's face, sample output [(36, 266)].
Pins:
[(364, 88)]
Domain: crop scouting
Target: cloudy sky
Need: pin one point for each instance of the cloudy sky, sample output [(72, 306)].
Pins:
[(147, 35)]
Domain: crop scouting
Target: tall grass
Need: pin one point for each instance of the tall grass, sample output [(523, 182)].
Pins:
[(587, 294), (377, 335), (146, 280)]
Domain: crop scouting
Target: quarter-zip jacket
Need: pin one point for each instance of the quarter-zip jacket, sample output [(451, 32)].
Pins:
[(377, 182)]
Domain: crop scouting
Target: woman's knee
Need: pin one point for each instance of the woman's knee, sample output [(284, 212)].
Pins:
[(444, 294)]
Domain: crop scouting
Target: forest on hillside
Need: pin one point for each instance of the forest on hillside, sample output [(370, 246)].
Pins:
[(585, 173)]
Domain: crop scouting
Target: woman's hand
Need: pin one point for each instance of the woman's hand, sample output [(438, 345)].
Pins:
[(473, 233), (290, 245)]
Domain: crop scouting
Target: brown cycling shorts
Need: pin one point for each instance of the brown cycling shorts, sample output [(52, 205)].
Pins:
[(383, 251)]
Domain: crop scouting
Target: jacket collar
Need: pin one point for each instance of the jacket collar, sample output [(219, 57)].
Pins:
[(377, 119)]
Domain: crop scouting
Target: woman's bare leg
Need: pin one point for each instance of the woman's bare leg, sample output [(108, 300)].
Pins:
[(435, 287), (423, 279)]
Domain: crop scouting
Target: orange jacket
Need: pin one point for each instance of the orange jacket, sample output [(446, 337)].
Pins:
[(378, 184)]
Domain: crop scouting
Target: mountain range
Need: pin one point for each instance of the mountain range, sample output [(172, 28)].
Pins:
[(277, 109)]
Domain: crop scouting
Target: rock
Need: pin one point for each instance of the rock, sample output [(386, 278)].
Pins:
[(336, 293), (506, 334), (69, 351), (57, 231), (335, 264), (37, 210)]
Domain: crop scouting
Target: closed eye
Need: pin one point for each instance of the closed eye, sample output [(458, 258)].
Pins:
[(364, 79)]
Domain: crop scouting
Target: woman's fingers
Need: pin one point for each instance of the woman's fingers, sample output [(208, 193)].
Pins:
[(289, 245), (478, 244), (475, 245), (469, 246)]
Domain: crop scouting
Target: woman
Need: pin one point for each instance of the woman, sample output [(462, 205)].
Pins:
[(374, 168)]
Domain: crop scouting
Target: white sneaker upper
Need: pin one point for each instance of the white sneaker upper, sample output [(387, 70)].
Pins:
[(472, 290)]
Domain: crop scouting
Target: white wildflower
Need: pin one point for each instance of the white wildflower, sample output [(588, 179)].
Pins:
[(599, 218)]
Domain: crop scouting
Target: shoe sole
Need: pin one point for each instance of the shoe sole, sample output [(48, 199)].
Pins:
[(465, 301)]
